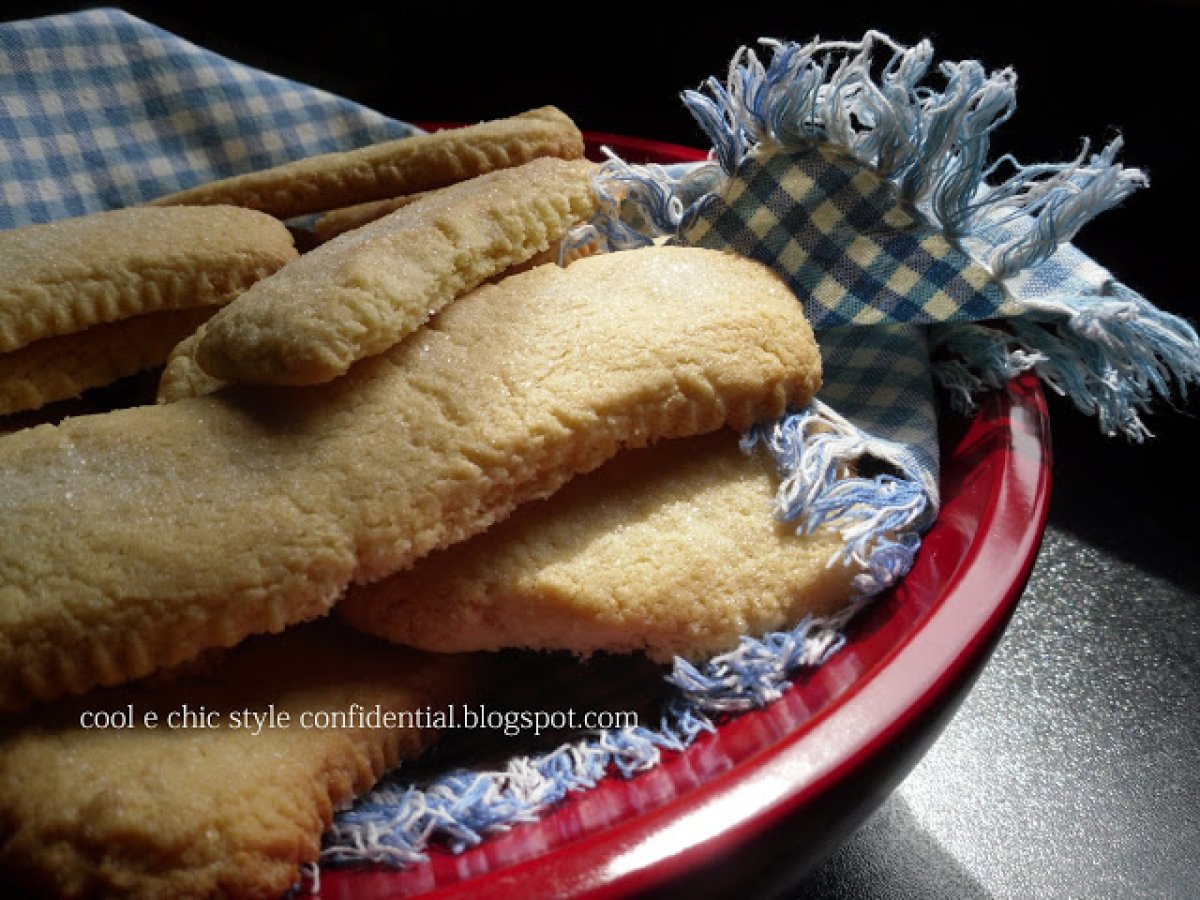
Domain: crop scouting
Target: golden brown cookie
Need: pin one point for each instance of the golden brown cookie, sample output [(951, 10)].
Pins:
[(671, 550), (132, 541), (182, 376), (62, 367), (347, 218), (361, 293), (403, 166), (227, 789), (65, 276)]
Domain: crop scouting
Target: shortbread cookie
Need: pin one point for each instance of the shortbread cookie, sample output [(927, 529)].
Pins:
[(228, 790), (339, 221), (182, 376), (134, 540), (403, 166), (671, 550), (59, 368), (65, 276), (361, 293)]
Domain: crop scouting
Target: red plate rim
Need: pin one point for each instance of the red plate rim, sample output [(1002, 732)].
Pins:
[(910, 654)]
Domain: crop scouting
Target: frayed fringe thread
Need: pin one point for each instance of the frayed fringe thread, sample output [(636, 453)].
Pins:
[(307, 884), (1112, 356), (879, 517), (638, 204), (395, 824), (933, 145), (1053, 202), (758, 672)]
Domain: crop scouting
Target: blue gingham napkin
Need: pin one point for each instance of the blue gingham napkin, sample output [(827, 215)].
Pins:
[(864, 180), (99, 110), (892, 238)]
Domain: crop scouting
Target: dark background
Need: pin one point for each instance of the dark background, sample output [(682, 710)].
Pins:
[(1071, 769)]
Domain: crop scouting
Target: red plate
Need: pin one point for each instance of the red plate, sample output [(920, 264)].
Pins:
[(773, 791)]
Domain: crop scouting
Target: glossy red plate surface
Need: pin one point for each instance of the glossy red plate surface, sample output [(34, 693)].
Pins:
[(771, 792)]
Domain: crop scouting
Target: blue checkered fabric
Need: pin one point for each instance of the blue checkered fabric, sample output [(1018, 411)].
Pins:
[(855, 255), (100, 110), (848, 246), (883, 384)]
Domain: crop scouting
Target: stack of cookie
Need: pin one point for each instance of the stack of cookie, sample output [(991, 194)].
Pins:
[(408, 422), (85, 302)]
